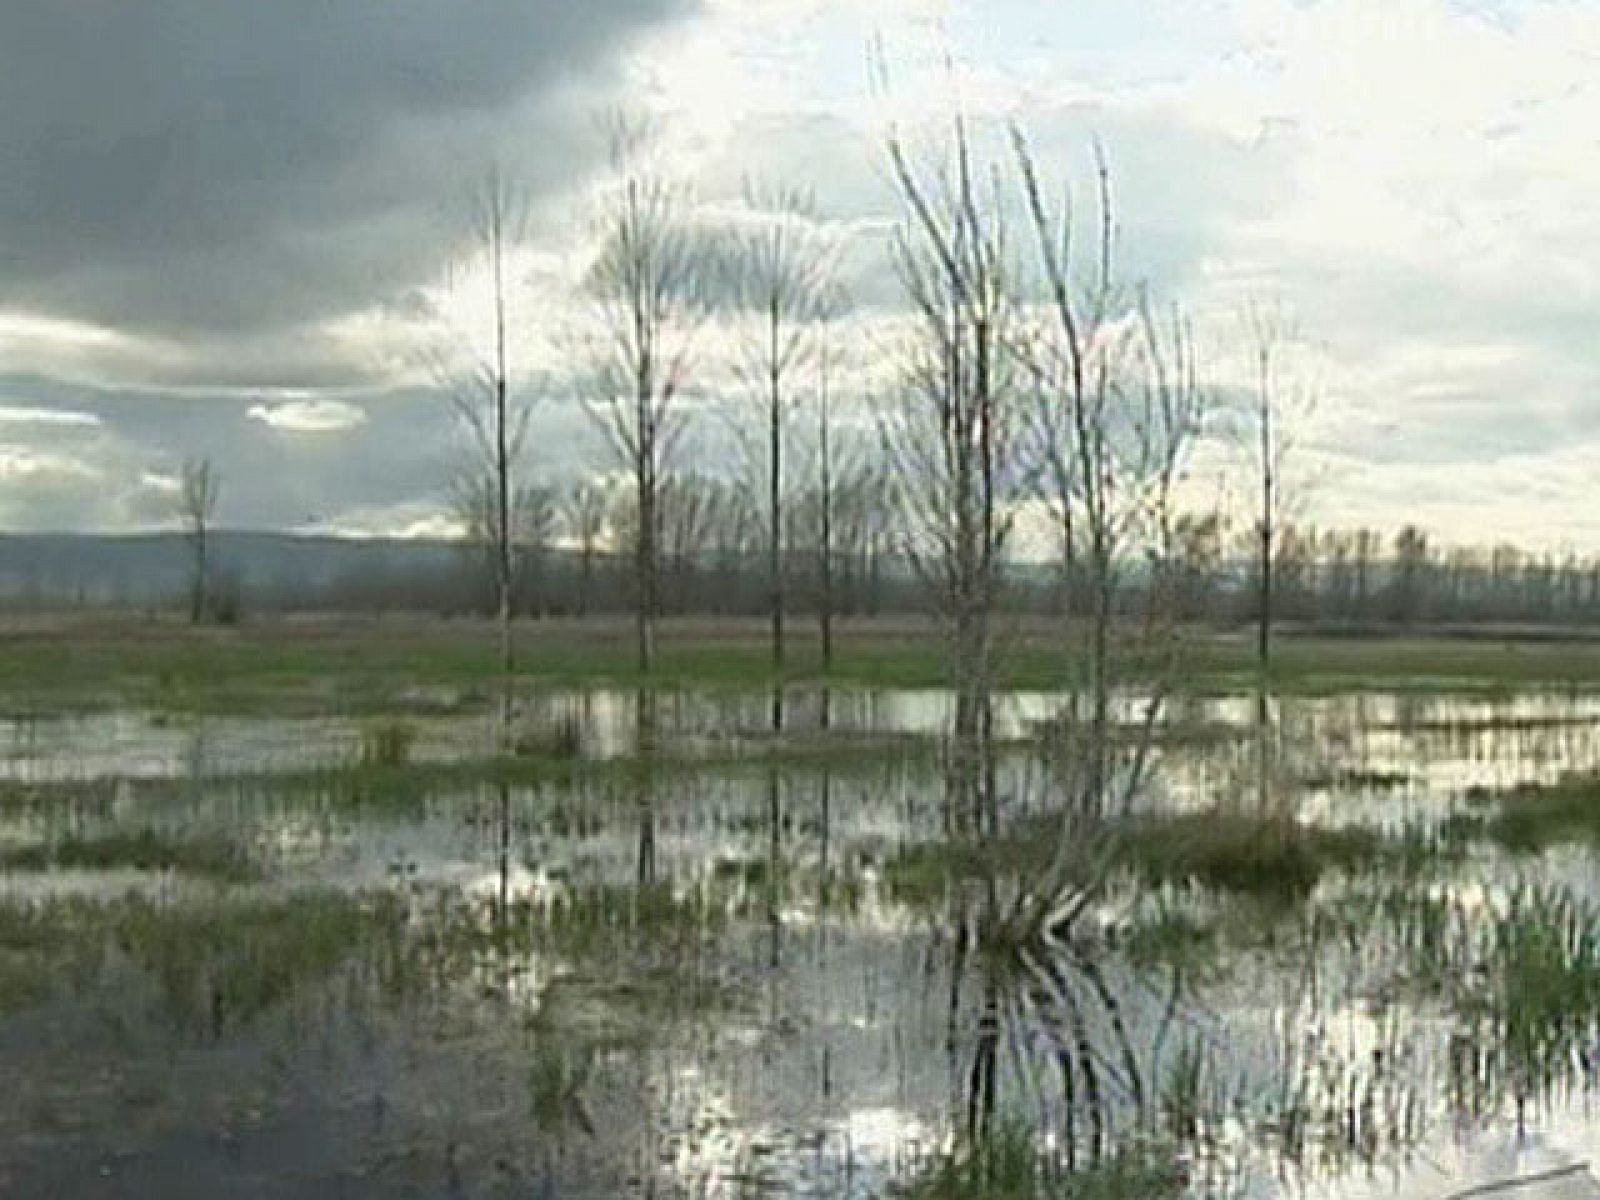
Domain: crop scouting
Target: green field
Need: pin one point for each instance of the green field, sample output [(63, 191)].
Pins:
[(301, 666)]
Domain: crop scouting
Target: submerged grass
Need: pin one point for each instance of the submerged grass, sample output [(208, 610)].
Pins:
[(374, 783), (1006, 1164), (1261, 856), (1530, 817), (386, 743), (208, 966), (1266, 857), (1520, 978), (210, 856), (219, 967)]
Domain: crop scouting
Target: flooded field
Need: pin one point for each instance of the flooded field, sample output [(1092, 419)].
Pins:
[(657, 949)]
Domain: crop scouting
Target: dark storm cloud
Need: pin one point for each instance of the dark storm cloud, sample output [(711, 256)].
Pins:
[(176, 166)]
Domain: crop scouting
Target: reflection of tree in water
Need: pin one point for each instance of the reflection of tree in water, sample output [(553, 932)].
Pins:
[(645, 738), (1042, 1024), (1096, 1057)]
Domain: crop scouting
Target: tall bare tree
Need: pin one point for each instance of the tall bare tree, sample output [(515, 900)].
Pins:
[(477, 373), (1118, 404), (953, 450), (200, 487), (825, 505), (781, 267), (1280, 403), (647, 282)]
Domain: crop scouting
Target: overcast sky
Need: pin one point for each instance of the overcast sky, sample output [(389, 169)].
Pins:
[(224, 224)]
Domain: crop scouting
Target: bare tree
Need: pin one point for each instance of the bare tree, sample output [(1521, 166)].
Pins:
[(953, 449), (200, 487), (1280, 402), (648, 285), (781, 269), (825, 507), (1118, 404), (482, 391)]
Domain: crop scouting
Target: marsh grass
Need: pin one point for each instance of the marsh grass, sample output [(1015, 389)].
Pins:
[(209, 966), (1529, 817), (377, 783), (216, 967), (560, 740), (45, 946), (1260, 856), (386, 743), (636, 947), (1523, 983), (1005, 1163), (208, 856)]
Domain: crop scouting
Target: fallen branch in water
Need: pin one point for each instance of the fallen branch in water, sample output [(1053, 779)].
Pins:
[(1506, 1185)]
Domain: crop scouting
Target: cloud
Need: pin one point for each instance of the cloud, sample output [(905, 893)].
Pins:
[(183, 168), (309, 416), (412, 520), (224, 217), (13, 414)]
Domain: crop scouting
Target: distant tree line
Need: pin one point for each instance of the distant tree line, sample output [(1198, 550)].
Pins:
[(714, 546), (573, 557)]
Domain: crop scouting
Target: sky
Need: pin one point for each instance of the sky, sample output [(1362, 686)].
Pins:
[(234, 229)]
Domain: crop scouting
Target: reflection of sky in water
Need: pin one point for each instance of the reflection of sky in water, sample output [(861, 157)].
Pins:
[(848, 1059)]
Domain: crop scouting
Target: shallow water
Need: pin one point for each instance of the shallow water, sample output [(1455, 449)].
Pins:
[(697, 981)]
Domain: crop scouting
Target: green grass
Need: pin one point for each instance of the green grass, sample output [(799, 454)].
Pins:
[(1240, 854), (1258, 856), (208, 966), (386, 743), (220, 966), (1005, 1164), (207, 856), (1521, 980), (1529, 817), (418, 665)]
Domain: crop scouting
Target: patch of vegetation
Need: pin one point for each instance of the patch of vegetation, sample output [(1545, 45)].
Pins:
[(216, 967), (561, 740), (1006, 1164), (1530, 817), (387, 743), (613, 960), (44, 946), (1174, 935), (1370, 780), (207, 856), (1260, 856), (211, 966), (1266, 857), (1521, 980)]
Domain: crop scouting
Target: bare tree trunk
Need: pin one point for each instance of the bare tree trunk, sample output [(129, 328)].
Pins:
[(647, 279), (645, 567), (197, 588), (775, 486), (1268, 505), (825, 565), (200, 486), (502, 450)]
